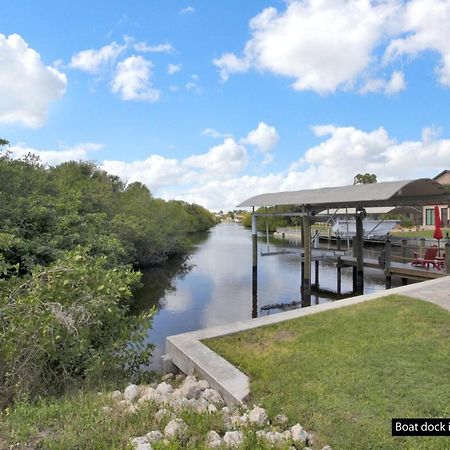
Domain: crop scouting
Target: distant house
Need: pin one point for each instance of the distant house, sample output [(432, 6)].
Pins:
[(428, 210)]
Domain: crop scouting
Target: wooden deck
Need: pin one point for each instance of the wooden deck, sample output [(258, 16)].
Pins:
[(404, 270)]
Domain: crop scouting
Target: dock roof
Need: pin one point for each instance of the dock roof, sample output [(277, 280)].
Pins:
[(391, 193)]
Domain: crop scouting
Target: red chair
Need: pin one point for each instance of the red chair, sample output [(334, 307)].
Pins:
[(428, 259)]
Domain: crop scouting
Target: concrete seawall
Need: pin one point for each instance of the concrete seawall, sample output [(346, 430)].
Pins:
[(191, 356)]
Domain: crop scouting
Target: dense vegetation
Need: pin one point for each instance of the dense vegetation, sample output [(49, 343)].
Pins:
[(272, 222), (70, 236)]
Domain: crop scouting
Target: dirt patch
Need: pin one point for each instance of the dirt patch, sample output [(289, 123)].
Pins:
[(284, 335)]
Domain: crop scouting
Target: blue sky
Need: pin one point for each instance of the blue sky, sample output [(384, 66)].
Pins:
[(215, 101)]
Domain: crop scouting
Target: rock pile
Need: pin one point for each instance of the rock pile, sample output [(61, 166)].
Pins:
[(197, 395)]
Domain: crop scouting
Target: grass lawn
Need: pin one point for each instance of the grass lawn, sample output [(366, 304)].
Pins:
[(78, 422), (428, 234), (344, 374)]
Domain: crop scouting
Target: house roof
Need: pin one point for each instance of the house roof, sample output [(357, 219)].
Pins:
[(440, 174), (391, 193)]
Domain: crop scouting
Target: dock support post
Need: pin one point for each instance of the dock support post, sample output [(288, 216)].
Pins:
[(254, 268), (316, 273), (421, 247), (339, 275), (306, 279), (387, 267), (404, 249), (359, 247), (447, 257), (302, 273), (338, 243)]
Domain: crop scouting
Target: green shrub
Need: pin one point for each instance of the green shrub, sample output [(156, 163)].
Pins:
[(66, 324)]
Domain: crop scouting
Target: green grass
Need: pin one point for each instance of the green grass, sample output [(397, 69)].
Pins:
[(344, 374), (78, 422), (428, 234)]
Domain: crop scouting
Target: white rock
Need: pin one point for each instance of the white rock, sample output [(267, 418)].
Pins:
[(162, 413), (181, 403), (106, 409), (140, 443), (287, 435), (131, 393), (154, 436), (202, 405), (175, 428), (258, 416), (190, 388), (225, 411), (327, 447), (203, 384), (274, 437), (211, 407), (164, 388), (239, 421), (177, 394), (144, 447), (298, 433), (148, 394), (233, 438), (213, 440), (212, 396), (115, 395)]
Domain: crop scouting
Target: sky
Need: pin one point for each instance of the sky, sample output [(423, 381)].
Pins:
[(215, 101)]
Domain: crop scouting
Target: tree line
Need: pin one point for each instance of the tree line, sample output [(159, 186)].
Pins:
[(72, 238)]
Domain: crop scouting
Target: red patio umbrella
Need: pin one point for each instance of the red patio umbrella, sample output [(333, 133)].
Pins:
[(437, 227)]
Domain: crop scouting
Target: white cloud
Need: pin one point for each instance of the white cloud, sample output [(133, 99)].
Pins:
[(321, 44), (216, 178), (27, 86), (132, 80), (173, 68), (224, 159), (215, 134), (143, 47), (156, 171), (390, 87), (229, 63), (327, 45), (92, 61), (193, 85), (426, 27), (213, 179), (264, 137), (187, 10), (53, 157)]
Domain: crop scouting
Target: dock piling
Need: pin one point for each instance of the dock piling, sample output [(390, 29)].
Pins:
[(316, 277), (254, 268), (387, 263), (447, 257), (339, 275), (358, 243)]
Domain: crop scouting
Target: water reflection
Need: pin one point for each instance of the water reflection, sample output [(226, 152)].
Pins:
[(216, 284)]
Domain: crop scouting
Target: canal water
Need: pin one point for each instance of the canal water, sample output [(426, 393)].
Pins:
[(213, 286)]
